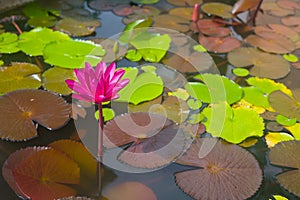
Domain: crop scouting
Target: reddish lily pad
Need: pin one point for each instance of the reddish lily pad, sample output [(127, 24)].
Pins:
[(219, 44), (288, 4), (19, 76), (123, 10), (130, 191), (45, 175), (184, 2), (217, 9), (75, 27), (274, 9), (143, 12), (264, 64), (227, 171), (271, 42), (12, 162), (211, 28), (244, 5), (19, 108), (102, 5), (286, 154), (279, 29), (172, 21), (154, 141), (292, 21)]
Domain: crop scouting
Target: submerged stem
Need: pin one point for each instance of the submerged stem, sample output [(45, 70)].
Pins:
[(100, 149)]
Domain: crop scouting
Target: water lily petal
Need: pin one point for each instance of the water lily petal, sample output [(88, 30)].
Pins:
[(109, 72), (100, 68)]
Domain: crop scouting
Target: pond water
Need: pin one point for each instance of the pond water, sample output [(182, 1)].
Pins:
[(170, 73)]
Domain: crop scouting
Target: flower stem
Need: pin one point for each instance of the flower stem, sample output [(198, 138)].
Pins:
[(100, 149)]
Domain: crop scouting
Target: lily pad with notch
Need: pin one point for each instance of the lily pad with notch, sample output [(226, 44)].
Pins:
[(152, 140), (219, 44), (218, 9), (20, 108), (222, 171)]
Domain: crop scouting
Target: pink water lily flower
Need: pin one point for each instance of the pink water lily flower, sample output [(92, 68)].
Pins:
[(97, 85)]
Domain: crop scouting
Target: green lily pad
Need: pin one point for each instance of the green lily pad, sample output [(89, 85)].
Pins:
[(108, 114), (241, 72), (34, 9), (200, 48), (8, 43), (285, 121), (145, 1), (232, 124), (215, 88), (34, 41), (43, 21), (291, 57), (196, 118), (256, 97), (19, 76), (143, 87), (133, 55), (73, 53), (54, 80), (152, 47), (194, 104), (295, 130)]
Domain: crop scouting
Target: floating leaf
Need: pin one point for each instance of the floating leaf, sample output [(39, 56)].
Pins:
[(77, 152), (145, 106), (241, 72), (34, 41), (194, 104), (244, 5), (73, 53), (155, 141), (19, 76), (286, 154), (273, 138), (34, 9), (291, 57), (274, 126), (284, 104), (185, 12), (292, 21), (278, 197), (173, 108), (189, 63), (217, 9), (130, 191), (46, 21), (8, 43), (180, 93), (295, 130), (177, 23), (12, 162), (264, 64), (19, 108), (223, 171), (77, 27), (210, 28), (108, 114), (219, 44), (142, 13), (184, 2), (234, 124), (123, 10), (46, 174), (271, 42), (146, 1), (143, 87), (248, 142), (285, 121), (215, 88), (54, 80)]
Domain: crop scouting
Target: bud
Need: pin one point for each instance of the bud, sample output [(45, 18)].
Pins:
[(195, 16)]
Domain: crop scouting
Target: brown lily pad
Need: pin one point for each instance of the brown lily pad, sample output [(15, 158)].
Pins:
[(218, 9), (184, 2), (103, 5), (219, 44), (292, 21), (123, 10), (20, 108), (224, 171), (194, 62), (143, 12), (76, 27), (46, 173), (185, 12), (288, 4), (271, 42), (286, 154), (264, 64), (285, 105), (154, 141), (172, 22)]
